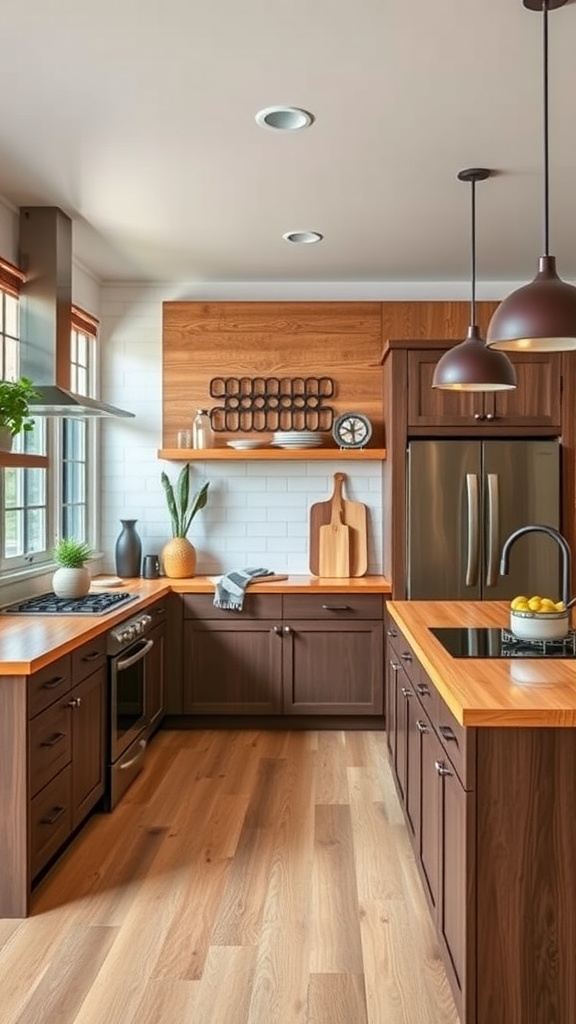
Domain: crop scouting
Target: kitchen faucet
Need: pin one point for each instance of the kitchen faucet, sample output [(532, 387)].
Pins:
[(560, 540)]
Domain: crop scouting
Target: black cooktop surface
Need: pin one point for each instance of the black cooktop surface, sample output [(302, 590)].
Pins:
[(477, 642), (90, 604)]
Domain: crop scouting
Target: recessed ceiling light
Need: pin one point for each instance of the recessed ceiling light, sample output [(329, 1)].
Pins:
[(302, 237), (284, 119)]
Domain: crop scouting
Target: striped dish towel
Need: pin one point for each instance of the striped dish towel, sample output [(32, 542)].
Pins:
[(231, 587)]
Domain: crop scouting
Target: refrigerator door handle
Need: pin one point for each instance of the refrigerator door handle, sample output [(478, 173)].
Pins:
[(472, 560), (493, 529)]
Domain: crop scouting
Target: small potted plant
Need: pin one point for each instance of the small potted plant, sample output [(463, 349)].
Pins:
[(72, 578), (179, 555), (15, 397)]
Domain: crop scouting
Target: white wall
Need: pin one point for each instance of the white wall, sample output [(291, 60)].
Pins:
[(257, 513)]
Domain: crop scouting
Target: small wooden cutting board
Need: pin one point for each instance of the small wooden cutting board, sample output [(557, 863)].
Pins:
[(355, 516)]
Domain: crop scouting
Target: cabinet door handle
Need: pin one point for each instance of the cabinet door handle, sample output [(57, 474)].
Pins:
[(52, 818), (406, 656), (287, 630), (93, 656), (391, 633), (75, 702), (447, 733), (478, 416), (490, 416), (406, 692), (56, 738), (50, 684), (394, 665), (278, 630), (441, 768), (421, 726), (336, 607), (423, 690)]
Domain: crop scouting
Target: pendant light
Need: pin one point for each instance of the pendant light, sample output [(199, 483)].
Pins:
[(540, 316), (471, 365)]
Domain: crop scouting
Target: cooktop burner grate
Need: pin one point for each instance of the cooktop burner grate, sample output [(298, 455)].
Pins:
[(90, 604), (515, 647), (484, 642)]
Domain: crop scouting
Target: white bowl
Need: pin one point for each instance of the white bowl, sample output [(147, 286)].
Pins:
[(540, 625)]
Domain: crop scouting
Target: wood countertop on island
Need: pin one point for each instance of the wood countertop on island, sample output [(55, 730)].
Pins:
[(525, 692)]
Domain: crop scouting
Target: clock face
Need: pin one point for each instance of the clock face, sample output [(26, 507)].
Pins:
[(352, 430)]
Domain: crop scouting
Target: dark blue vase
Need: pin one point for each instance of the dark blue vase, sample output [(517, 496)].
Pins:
[(128, 549)]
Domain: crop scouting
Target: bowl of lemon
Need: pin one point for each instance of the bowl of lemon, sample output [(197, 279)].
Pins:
[(539, 618)]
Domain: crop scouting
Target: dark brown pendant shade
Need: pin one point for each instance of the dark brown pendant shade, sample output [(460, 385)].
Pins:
[(540, 316), (471, 365)]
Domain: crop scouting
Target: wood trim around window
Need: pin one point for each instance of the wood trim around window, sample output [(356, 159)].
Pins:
[(11, 278), (84, 322)]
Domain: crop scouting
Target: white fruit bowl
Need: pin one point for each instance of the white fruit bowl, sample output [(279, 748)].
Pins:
[(540, 625)]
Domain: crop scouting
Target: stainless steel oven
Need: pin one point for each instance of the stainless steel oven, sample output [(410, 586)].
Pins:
[(128, 651)]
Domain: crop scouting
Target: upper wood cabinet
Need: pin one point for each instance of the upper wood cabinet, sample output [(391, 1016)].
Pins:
[(535, 403)]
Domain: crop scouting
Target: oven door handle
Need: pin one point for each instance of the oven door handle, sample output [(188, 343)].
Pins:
[(127, 662)]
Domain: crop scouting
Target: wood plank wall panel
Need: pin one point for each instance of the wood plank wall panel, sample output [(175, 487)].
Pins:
[(342, 340), (434, 321)]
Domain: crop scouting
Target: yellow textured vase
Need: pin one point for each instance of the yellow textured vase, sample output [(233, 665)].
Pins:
[(179, 558)]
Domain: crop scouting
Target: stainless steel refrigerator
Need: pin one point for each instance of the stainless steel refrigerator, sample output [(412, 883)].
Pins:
[(464, 499)]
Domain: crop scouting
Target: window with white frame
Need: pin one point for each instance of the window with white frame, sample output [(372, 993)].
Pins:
[(41, 503)]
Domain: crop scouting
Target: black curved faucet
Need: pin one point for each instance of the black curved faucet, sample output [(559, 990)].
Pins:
[(560, 540)]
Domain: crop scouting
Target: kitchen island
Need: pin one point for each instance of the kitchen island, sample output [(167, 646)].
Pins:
[(483, 752)]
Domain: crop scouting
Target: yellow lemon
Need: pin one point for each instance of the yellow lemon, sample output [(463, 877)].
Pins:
[(534, 604), (560, 606), (547, 605), (517, 604)]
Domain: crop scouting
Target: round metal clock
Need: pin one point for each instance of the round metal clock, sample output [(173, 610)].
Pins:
[(352, 430)]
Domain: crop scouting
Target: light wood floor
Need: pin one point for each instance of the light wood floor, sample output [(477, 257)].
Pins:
[(246, 878)]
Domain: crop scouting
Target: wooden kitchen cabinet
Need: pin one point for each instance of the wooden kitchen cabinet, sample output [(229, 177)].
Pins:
[(66, 753), (534, 403), (285, 654)]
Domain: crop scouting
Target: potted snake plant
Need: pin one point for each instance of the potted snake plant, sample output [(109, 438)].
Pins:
[(179, 554)]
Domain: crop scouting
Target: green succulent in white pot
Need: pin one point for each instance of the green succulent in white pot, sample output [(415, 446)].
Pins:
[(72, 578), (15, 398), (179, 554)]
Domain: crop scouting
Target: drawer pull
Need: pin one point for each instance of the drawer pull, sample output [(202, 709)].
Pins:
[(447, 733), (423, 690), (441, 768), (406, 656), (52, 818), (93, 656), (406, 692), (336, 607), (421, 726), (395, 666), (75, 702), (137, 757), (392, 633), (56, 738), (51, 684)]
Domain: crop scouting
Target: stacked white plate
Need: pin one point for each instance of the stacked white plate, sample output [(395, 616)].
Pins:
[(245, 445), (297, 439)]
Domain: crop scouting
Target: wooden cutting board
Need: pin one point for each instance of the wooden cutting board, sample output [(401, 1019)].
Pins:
[(334, 541), (355, 516)]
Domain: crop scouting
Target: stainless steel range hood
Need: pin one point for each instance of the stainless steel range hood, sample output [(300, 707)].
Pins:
[(46, 315)]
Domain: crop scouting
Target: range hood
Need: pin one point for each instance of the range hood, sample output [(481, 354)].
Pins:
[(46, 315)]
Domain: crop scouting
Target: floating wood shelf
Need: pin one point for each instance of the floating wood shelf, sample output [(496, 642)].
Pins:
[(21, 459), (273, 454)]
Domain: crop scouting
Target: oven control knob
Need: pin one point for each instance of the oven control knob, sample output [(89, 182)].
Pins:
[(145, 621)]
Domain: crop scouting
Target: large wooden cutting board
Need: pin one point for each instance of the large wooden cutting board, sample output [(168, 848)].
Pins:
[(334, 541), (354, 515)]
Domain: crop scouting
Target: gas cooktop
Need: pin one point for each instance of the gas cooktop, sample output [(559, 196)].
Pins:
[(478, 642), (90, 604)]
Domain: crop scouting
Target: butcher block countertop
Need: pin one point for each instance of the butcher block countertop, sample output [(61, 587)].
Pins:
[(29, 642), (488, 691)]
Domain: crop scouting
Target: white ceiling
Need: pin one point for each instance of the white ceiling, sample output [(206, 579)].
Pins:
[(137, 118)]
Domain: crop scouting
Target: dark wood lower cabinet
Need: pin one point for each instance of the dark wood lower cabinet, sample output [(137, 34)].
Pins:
[(264, 662), (490, 813), (88, 739)]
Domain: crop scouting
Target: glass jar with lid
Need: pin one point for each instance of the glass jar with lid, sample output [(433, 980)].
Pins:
[(202, 435)]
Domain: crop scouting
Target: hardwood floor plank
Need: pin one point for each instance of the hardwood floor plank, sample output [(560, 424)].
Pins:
[(337, 999), (173, 1002), (69, 977), (336, 946), (331, 777), (225, 989)]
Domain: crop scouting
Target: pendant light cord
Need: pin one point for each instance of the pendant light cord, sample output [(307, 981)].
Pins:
[(473, 257), (546, 158)]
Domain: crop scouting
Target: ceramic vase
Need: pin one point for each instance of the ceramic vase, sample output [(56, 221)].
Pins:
[(128, 549), (68, 582), (179, 558)]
